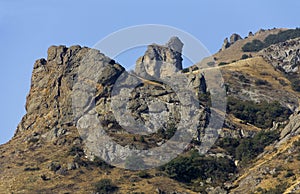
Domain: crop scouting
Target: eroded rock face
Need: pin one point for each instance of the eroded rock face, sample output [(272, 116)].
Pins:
[(225, 45), (49, 103), (161, 60), (84, 79), (284, 56)]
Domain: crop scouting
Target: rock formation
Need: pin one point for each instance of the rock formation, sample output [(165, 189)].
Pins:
[(161, 60), (234, 37), (80, 98), (225, 45), (284, 56)]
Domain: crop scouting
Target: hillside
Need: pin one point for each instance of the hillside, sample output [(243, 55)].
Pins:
[(80, 101)]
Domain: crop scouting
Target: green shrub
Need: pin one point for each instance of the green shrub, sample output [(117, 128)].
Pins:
[(296, 85), (222, 63), (144, 174), (254, 46), (282, 36), (105, 186), (261, 82), (76, 150), (229, 144), (185, 70), (260, 114), (289, 173), (245, 56), (194, 166), (249, 148), (257, 45)]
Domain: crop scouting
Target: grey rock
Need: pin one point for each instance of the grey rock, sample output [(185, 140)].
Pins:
[(216, 190), (284, 56), (160, 61), (175, 44), (225, 45)]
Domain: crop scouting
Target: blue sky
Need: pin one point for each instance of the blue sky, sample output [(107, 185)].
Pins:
[(28, 28)]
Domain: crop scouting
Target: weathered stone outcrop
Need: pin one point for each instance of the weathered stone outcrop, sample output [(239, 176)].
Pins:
[(284, 56), (161, 60), (76, 82), (234, 37), (49, 103), (225, 45)]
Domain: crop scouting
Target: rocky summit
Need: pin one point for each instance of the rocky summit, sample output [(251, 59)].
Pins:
[(92, 127)]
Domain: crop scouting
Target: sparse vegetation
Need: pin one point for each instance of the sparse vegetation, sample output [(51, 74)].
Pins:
[(279, 189), (76, 150), (282, 36), (247, 149), (144, 174), (259, 114), (257, 45), (105, 186), (194, 166), (254, 46)]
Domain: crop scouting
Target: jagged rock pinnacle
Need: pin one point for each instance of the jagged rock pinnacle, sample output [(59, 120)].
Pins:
[(175, 44)]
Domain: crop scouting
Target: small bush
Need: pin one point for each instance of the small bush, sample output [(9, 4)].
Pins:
[(261, 82), (32, 169), (289, 173), (222, 63), (245, 56), (105, 186)]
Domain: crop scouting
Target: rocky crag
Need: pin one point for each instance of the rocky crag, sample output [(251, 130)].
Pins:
[(54, 150)]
